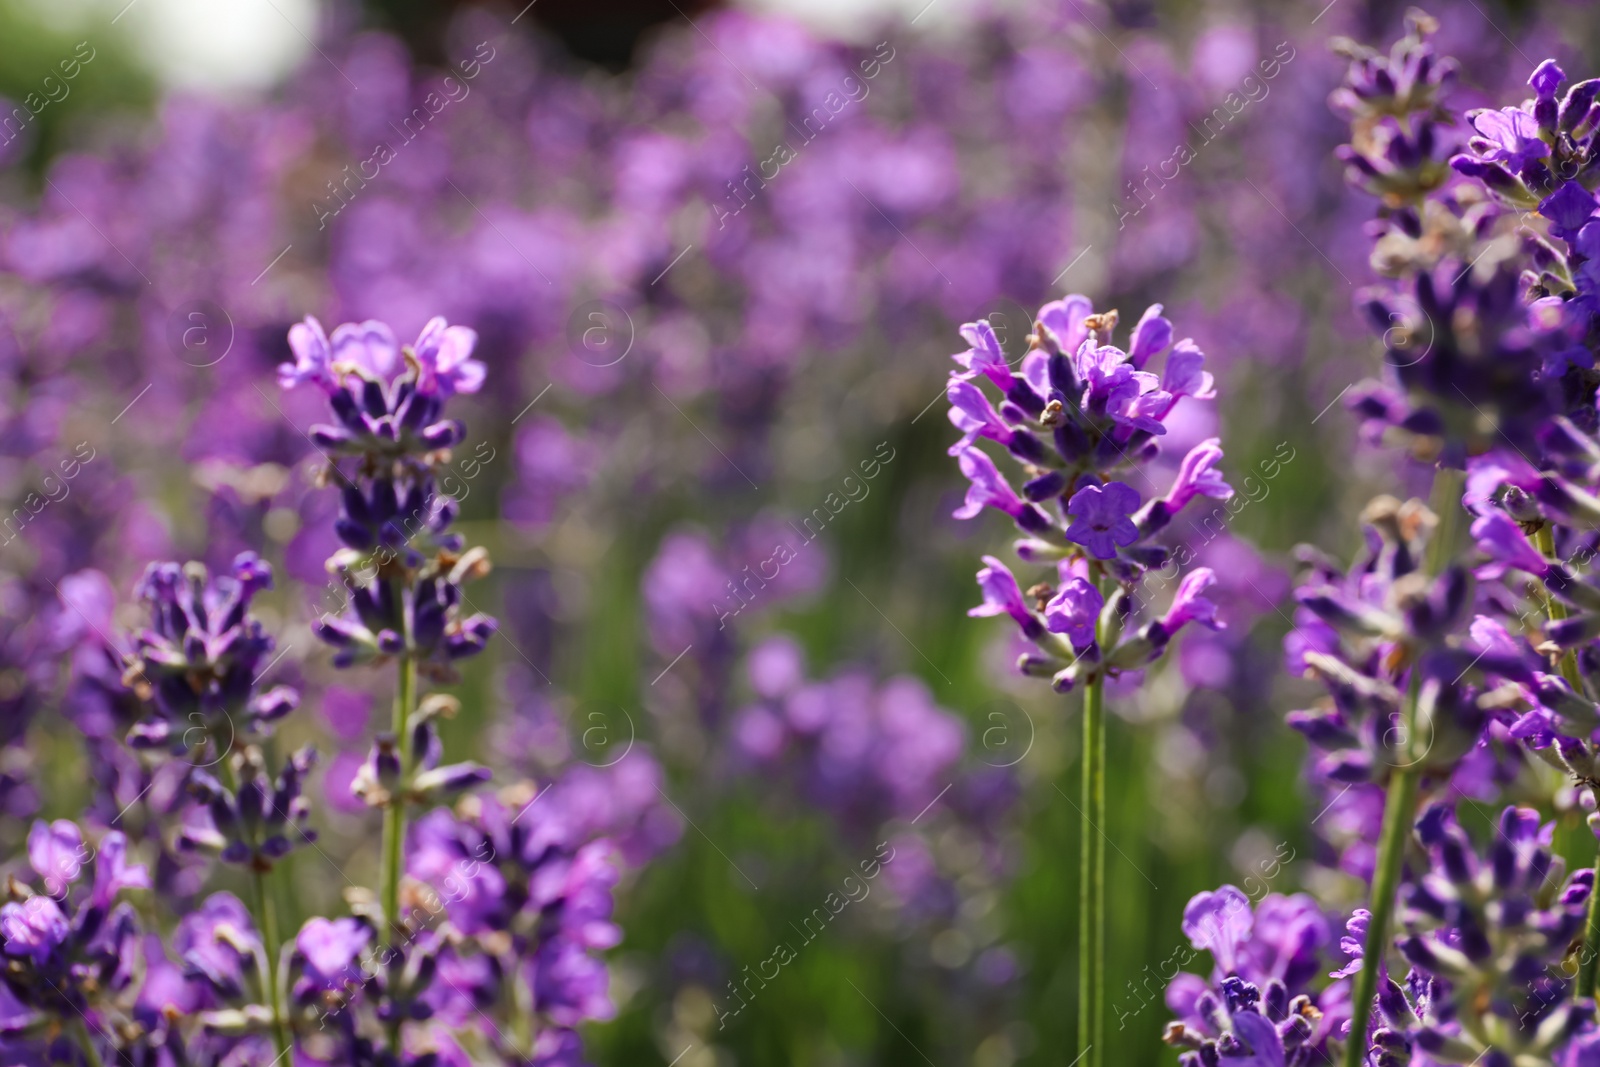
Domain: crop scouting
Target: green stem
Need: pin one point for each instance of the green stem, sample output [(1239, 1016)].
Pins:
[(1589, 954), (81, 1028), (394, 816), (1092, 875), (1545, 540), (1397, 810), (1591, 943), (267, 916), (1400, 804)]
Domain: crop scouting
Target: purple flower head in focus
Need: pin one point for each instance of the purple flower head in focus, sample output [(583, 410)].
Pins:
[(390, 439), (1502, 920), (1074, 610), (1080, 415), (441, 357), (1101, 518), (1259, 1005)]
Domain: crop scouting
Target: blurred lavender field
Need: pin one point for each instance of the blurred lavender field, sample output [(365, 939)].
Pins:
[(715, 260)]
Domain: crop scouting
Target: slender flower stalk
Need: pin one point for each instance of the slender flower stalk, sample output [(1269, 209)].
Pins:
[(266, 914), (1082, 414), (1490, 376), (1556, 611), (91, 1055), (1399, 805), (1400, 802), (394, 815), (263, 909), (1590, 951), (1092, 872)]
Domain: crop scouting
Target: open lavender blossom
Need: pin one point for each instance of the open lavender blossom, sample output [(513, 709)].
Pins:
[(1081, 416)]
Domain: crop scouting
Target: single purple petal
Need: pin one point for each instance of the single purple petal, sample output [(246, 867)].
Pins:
[(1183, 375), (1198, 476), (445, 355), (1074, 611), (985, 356), (1568, 208), (1151, 335), (1191, 605), (989, 487), (1219, 922), (1001, 594), (1501, 539), (56, 851), (1101, 513), (369, 345), (1063, 322), (1546, 79), (330, 949), (113, 873), (312, 355)]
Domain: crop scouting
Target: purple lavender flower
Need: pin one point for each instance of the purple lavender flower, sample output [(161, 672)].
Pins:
[(217, 946), (35, 929), (1002, 596), (1485, 940), (71, 948), (200, 658), (1100, 518), (990, 489), (390, 441), (259, 821), (1191, 605), (328, 950), (1259, 1006), (56, 852), (1101, 413), (1074, 610), (517, 869)]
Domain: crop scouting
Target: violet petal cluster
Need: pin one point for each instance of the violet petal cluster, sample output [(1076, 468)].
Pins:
[(1081, 419)]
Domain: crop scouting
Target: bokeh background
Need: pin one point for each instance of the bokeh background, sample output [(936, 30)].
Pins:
[(717, 255)]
